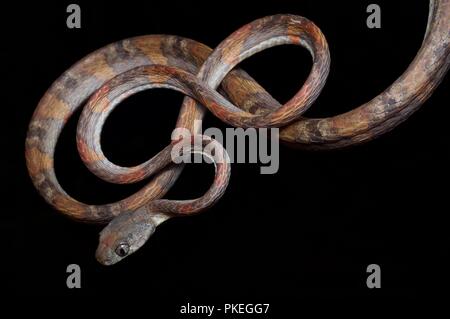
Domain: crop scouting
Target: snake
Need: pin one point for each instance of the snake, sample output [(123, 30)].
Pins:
[(211, 81)]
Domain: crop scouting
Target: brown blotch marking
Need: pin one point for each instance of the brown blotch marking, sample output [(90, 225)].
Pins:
[(51, 107), (87, 154), (37, 161), (199, 52), (74, 208), (151, 47), (159, 78), (345, 125), (98, 66)]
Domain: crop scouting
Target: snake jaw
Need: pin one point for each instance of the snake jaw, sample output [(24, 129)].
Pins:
[(124, 235)]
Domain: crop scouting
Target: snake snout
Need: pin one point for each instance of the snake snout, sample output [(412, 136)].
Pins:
[(103, 256)]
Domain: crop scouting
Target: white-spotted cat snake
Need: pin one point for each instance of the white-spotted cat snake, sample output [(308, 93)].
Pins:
[(109, 75)]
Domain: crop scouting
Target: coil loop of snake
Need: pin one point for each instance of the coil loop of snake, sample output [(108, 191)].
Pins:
[(109, 75)]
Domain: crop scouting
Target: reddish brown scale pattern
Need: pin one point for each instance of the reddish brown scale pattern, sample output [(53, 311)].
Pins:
[(86, 153), (107, 67)]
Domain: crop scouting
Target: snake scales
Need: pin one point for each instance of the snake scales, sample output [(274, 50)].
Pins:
[(107, 76)]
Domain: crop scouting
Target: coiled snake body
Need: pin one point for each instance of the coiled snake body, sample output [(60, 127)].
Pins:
[(109, 75)]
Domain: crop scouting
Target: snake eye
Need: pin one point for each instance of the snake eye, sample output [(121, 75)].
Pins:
[(122, 250)]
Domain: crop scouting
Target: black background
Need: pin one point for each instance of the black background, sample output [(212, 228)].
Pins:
[(309, 230)]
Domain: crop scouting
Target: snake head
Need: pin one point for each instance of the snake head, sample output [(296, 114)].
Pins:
[(124, 235)]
